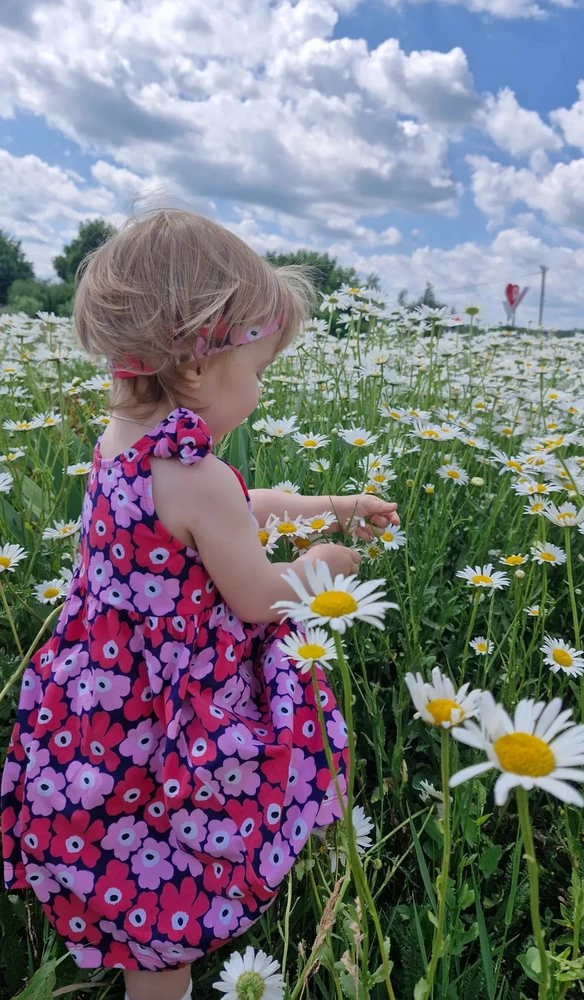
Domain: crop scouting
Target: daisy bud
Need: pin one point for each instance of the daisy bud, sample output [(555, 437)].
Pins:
[(286, 458), (409, 483), (520, 573), (477, 481)]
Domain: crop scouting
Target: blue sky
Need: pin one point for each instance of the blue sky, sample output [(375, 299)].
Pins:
[(435, 140)]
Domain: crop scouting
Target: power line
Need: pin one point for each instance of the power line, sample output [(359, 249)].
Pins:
[(481, 284)]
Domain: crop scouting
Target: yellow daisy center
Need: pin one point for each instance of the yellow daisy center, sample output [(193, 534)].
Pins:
[(318, 523), (472, 443), (374, 551), (287, 528), (311, 443), (537, 507), (429, 489), (514, 560), (565, 516), (310, 651), (541, 488), (334, 604), (522, 753), (263, 537), (453, 474), (547, 556), (431, 434), (562, 658), (441, 710), (51, 592), (514, 465), (359, 441), (481, 647), (4, 562), (66, 530), (302, 543), (370, 488), (481, 578), (388, 536), (395, 414), (379, 478)]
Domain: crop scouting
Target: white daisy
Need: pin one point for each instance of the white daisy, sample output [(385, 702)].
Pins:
[(6, 482), (566, 515), (541, 747), (321, 465), (50, 591), (287, 526), (454, 473), (321, 522), (10, 556), (358, 436), (362, 826), (251, 974), (337, 602), (79, 469), (561, 657), (545, 552), (286, 486), (392, 538), (427, 791), (316, 646), (438, 703), (529, 487), (533, 611), (484, 576), (481, 646), (268, 540), (18, 425), (310, 442), (51, 419), (11, 456), (62, 529), (429, 488), (513, 560), (280, 428)]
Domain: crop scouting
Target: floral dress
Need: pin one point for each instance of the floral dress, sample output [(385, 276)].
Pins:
[(166, 766)]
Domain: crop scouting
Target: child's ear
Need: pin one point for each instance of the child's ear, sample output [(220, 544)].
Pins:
[(194, 373)]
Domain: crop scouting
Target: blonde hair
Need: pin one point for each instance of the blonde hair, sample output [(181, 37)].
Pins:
[(149, 289)]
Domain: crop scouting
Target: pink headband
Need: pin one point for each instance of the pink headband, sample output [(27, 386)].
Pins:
[(223, 339)]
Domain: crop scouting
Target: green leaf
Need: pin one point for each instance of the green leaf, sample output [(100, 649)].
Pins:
[(486, 952), (530, 963), (423, 866), (421, 989), (42, 984), (490, 859), (467, 897)]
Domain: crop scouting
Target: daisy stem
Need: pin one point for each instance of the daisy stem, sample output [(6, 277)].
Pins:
[(21, 667), (527, 836), (571, 587), (10, 618), (443, 886), (365, 895), (475, 607)]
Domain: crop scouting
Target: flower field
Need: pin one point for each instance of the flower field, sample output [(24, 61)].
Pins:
[(458, 870)]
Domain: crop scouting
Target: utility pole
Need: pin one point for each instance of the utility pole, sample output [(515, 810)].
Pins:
[(544, 271)]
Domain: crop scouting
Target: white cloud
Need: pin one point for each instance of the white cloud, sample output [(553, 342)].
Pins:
[(558, 194), (513, 128), (571, 120), (502, 8)]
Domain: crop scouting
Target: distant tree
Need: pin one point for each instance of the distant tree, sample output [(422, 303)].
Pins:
[(328, 275), (13, 264), (427, 298), (91, 236), (29, 295)]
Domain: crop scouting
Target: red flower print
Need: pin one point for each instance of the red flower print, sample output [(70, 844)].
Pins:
[(74, 920), (114, 891), (307, 729), (141, 917), (36, 837), (131, 793), (201, 747), (247, 814), (139, 704), (99, 738), (156, 553), (101, 528), (271, 800), (75, 838), (52, 712), (121, 552), (110, 640), (119, 956), (180, 910), (275, 766), (194, 598), (176, 782), (211, 716), (64, 742), (156, 815), (216, 875)]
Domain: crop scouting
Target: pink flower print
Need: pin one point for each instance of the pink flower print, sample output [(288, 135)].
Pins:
[(31, 693), (282, 712), (232, 624), (208, 787), (288, 684), (150, 864), (108, 478), (238, 777), (141, 742), (110, 689), (275, 860), (123, 507), (154, 667), (124, 837), (336, 728), (183, 861), (84, 958), (217, 616), (76, 880), (39, 879), (69, 662), (172, 952), (223, 917), (202, 663), (37, 758), (87, 784), (229, 693), (330, 807), (299, 825), (118, 594), (44, 793), (147, 958), (100, 571), (86, 512), (190, 828), (143, 488), (224, 840), (270, 665), (108, 927), (238, 741), (301, 774), (80, 692), (10, 776), (153, 593), (176, 657)]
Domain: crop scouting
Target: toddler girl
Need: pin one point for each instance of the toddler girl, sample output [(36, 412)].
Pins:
[(167, 767)]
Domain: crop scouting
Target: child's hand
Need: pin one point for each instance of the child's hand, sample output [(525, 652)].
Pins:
[(338, 557), (363, 507)]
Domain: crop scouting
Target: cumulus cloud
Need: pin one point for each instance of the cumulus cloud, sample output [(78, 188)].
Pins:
[(501, 8), (558, 194), (571, 120), (513, 128)]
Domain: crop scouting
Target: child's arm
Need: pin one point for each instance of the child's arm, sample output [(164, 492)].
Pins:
[(346, 508), (217, 517)]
